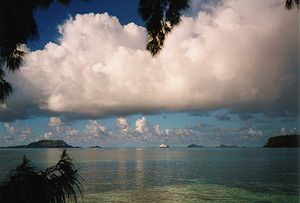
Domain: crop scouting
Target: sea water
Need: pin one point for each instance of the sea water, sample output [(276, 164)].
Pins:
[(176, 174)]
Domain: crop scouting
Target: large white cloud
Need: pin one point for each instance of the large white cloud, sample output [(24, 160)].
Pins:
[(241, 56)]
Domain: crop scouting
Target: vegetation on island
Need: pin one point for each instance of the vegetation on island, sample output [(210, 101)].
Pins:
[(95, 146), (56, 184), (283, 141), (194, 146), (45, 144), (227, 146)]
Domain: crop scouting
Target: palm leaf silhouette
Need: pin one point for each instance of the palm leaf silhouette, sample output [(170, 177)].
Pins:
[(17, 27), (160, 16), (5, 87), (56, 184), (289, 4)]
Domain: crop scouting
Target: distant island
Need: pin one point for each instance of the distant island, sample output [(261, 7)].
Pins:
[(283, 141), (227, 146), (45, 144), (95, 146), (194, 146)]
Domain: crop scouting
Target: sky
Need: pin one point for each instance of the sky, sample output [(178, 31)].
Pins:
[(228, 74)]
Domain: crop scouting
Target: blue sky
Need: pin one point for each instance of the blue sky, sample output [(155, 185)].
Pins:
[(48, 19), (225, 78)]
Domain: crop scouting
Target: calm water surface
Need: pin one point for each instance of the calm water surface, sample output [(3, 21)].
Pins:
[(176, 174)]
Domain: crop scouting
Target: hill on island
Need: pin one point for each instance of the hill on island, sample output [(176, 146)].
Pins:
[(96, 146), (45, 144), (283, 141), (227, 146), (194, 146)]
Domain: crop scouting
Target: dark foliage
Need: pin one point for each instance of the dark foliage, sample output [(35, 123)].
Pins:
[(289, 4), (160, 16), (17, 27), (45, 144), (5, 87), (55, 184), (283, 141)]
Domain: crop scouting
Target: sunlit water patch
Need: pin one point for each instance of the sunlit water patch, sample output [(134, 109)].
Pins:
[(189, 193)]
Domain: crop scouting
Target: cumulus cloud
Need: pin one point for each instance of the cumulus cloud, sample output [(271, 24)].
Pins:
[(157, 129), (123, 124), (292, 130), (47, 135), (71, 132), (10, 128), (15, 129), (141, 125), (95, 129), (93, 133), (253, 133), (54, 122), (143, 133), (239, 55), (15, 134), (56, 129)]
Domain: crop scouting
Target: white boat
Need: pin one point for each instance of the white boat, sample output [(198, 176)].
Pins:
[(163, 145)]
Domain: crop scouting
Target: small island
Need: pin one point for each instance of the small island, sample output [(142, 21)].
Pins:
[(194, 146), (45, 144), (227, 146), (283, 141), (95, 147)]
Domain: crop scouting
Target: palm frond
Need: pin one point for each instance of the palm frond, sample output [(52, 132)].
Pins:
[(289, 4), (5, 87), (160, 16), (56, 184), (17, 27), (63, 179)]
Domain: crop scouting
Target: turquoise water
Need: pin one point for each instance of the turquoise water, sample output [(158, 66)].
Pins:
[(176, 174)]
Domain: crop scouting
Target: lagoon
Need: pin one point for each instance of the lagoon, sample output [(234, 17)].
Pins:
[(176, 174)]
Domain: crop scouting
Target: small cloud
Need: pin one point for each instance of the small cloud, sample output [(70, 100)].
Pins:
[(71, 132), (157, 129), (283, 130), (17, 133), (122, 124), (54, 122), (141, 125), (10, 128), (253, 133), (47, 135), (95, 129)]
